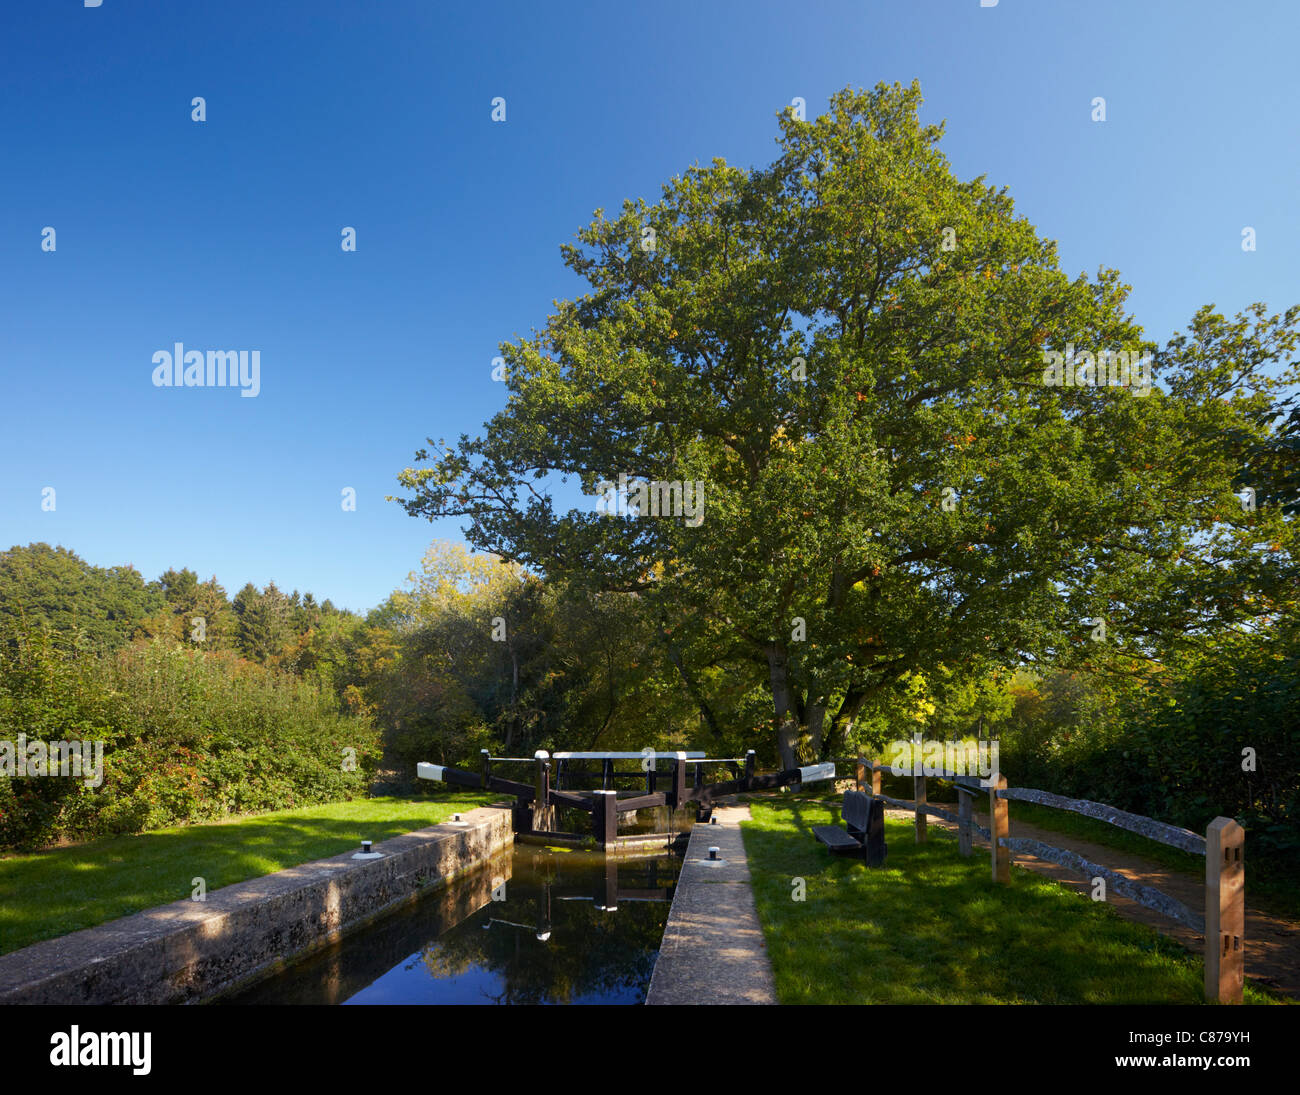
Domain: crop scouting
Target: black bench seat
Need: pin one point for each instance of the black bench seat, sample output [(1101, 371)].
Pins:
[(863, 832), (836, 839)]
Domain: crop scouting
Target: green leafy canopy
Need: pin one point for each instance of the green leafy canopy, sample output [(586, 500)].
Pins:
[(836, 345)]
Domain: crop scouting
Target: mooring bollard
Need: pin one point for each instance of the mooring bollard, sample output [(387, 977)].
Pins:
[(713, 853), (366, 845)]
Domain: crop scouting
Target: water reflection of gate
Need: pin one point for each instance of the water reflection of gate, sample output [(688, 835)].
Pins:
[(657, 884)]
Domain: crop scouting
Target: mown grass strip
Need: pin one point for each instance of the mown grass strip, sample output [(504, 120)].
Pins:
[(51, 893), (931, 928)]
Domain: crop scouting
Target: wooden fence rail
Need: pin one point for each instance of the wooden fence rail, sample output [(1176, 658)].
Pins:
[(1147, 896), (934, 811), (1224, 921), (1185, 839)]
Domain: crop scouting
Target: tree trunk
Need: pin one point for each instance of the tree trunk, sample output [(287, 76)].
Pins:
[(692, 688), (816, 724), (842, 722), (609, 714), (787, 726), (513, 721)]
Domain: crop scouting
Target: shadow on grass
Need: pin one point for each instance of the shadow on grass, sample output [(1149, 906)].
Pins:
[(932, 927)]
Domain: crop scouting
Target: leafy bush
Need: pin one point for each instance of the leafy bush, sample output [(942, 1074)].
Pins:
[(1174, 750), (188, 736), (1196, 735)]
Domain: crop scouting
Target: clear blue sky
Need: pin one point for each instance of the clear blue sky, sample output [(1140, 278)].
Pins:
[(226, 234)]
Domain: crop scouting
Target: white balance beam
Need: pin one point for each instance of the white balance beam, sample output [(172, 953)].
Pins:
[(626, 756)]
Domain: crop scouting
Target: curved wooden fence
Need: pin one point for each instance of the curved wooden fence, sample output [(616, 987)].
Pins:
[(1224, 919)]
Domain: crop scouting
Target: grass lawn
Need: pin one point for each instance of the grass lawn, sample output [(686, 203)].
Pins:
[(51, 893), (932, 928)]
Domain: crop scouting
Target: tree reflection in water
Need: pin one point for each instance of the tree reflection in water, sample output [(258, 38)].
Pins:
[(574, 927)]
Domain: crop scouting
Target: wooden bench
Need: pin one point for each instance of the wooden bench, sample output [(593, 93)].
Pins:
[(864, 829)]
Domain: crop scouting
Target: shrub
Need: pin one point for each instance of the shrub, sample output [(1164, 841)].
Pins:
[(188, 736)]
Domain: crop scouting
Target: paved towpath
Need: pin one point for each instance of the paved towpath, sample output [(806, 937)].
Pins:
[(713, 950)]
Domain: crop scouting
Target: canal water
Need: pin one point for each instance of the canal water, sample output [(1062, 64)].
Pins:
[(534, 926)]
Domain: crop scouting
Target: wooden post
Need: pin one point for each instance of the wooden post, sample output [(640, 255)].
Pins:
[(875, 776), (605, 817), (964, 803), (486, 767), (521, 816), (999, 826), (1225, 911), (606, 773), (699, 776), (918, 795), (750, 759), (611, 885), (679, 781), (542, 793), (861, 773)]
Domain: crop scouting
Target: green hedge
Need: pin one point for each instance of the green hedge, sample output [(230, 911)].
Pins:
[(1176, 750), (188, 736)]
